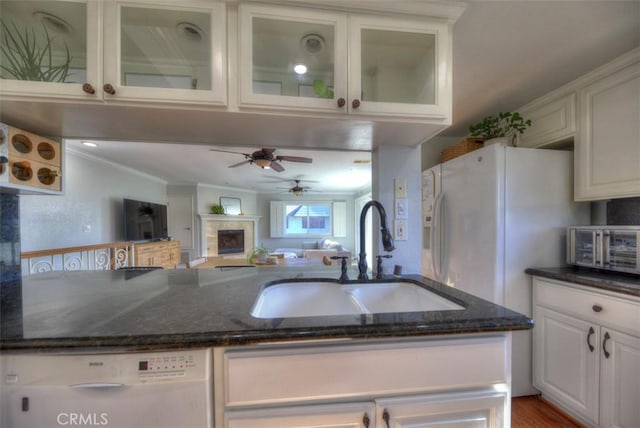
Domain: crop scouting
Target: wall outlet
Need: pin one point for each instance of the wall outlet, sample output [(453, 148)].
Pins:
[(86, 228)]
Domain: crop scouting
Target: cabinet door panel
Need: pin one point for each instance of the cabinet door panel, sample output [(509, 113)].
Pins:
[(165, 51), (71, 29), (353, 415), (607, 148), (399, 67), (276, 41), (620, 390), (481, 409), (566, 360)]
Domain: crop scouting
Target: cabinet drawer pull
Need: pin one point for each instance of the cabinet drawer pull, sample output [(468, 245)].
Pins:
[(355, 103), (341, 102), (604, 345), (109, 89), (591, 333), (88, 89), (596, 308), (365, 420), (386, 417)]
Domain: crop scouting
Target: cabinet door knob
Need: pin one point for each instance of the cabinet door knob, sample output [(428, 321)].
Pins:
[(355, 103), (386, 417), (88, 88), (596, 308), (591, 333), (604, 344), (366, 421), (109, 89), (341, 102)]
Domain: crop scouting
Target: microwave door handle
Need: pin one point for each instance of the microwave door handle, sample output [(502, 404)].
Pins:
[(605, 254), (597, 256)]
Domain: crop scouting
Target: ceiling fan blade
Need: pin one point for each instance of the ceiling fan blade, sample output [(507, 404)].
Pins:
[(294, 159), (276, 166), (229, 151), (240, 163)]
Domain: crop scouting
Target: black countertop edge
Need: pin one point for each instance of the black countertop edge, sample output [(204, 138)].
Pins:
[(628, 284), (178, 341)]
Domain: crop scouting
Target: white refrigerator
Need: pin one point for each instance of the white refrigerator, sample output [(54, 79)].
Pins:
[(490, 214)]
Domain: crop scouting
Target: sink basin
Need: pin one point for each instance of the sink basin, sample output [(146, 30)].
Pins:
[(325, 298)]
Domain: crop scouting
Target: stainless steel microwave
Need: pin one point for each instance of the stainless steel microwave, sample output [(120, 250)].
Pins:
[(604, 247)]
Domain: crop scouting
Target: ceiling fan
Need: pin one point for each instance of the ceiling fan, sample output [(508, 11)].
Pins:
[(265, 159), (298, 189)]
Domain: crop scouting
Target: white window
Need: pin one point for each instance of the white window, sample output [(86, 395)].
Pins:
[(309, 219)]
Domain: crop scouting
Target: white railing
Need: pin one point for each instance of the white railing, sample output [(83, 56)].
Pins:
[(89, 257)]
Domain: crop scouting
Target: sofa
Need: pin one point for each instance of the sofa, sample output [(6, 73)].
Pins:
[(316, 249)]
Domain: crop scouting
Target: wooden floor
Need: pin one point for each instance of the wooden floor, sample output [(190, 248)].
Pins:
[(535, 412)]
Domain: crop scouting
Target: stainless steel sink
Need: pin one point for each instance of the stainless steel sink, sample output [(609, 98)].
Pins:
[(325, 298)]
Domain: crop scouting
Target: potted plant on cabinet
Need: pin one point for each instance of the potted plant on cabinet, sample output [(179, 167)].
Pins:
[(502, 128), (258, 254)]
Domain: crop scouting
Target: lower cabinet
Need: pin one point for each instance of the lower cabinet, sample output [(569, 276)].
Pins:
[(461, 382), (583, 361), (463, 410), (164, 254)]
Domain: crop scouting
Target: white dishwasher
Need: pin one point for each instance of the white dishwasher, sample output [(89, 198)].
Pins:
[(129, 390)]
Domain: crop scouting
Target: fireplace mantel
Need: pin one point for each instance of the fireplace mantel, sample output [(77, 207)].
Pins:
[(211, 223)]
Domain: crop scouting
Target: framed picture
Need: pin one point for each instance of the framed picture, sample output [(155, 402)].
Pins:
[(232, 206)]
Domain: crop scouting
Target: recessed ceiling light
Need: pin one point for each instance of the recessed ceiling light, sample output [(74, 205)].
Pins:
[(300, 68), (89, 144), (52, 22), (190, 31)]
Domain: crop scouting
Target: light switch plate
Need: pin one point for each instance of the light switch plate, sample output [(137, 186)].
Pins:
[(400, 188)]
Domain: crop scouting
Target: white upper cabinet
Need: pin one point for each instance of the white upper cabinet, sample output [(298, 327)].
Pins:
[(117, 50), (50, 48), (320, 61), (553, 121), (165, 51), (607, 146)]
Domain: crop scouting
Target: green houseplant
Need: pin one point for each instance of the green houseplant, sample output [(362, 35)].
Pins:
[(258, 254), (25, 59), (505, 124), (217, 209)]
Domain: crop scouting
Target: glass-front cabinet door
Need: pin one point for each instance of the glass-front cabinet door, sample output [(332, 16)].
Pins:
[(49, 48), (399, 67), (169, 51), (292, 57)]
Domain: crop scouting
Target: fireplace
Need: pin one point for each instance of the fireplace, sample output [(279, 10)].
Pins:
[(230, 241)]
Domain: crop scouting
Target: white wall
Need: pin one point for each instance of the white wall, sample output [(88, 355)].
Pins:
[(90, 211), (404, 163)]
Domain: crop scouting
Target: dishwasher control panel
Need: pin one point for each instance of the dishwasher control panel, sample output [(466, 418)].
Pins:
[(166, 365)]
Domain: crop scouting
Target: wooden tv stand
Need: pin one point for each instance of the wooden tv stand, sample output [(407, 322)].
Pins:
[(165, 254)]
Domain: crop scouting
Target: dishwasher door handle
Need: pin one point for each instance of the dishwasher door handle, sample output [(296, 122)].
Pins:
[(98, 385)]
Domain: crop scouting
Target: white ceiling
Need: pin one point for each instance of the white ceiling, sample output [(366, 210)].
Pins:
[(505, 54)]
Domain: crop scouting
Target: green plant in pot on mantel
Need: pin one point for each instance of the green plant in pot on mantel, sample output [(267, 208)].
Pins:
[(217, 209), (506, 126)]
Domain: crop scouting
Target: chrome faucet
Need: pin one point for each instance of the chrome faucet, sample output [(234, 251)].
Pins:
[(387, 240)]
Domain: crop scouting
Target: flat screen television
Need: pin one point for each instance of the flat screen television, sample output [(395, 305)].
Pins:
[(144, 221)]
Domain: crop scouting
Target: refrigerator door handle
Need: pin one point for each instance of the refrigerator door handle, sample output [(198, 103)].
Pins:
[(436, 238)]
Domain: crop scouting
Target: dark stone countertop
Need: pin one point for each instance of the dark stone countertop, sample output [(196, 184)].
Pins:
[(626, 284), (209, 307)]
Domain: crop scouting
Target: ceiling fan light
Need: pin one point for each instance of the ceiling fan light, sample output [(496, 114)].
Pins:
[(297, 192), (263, 163)]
